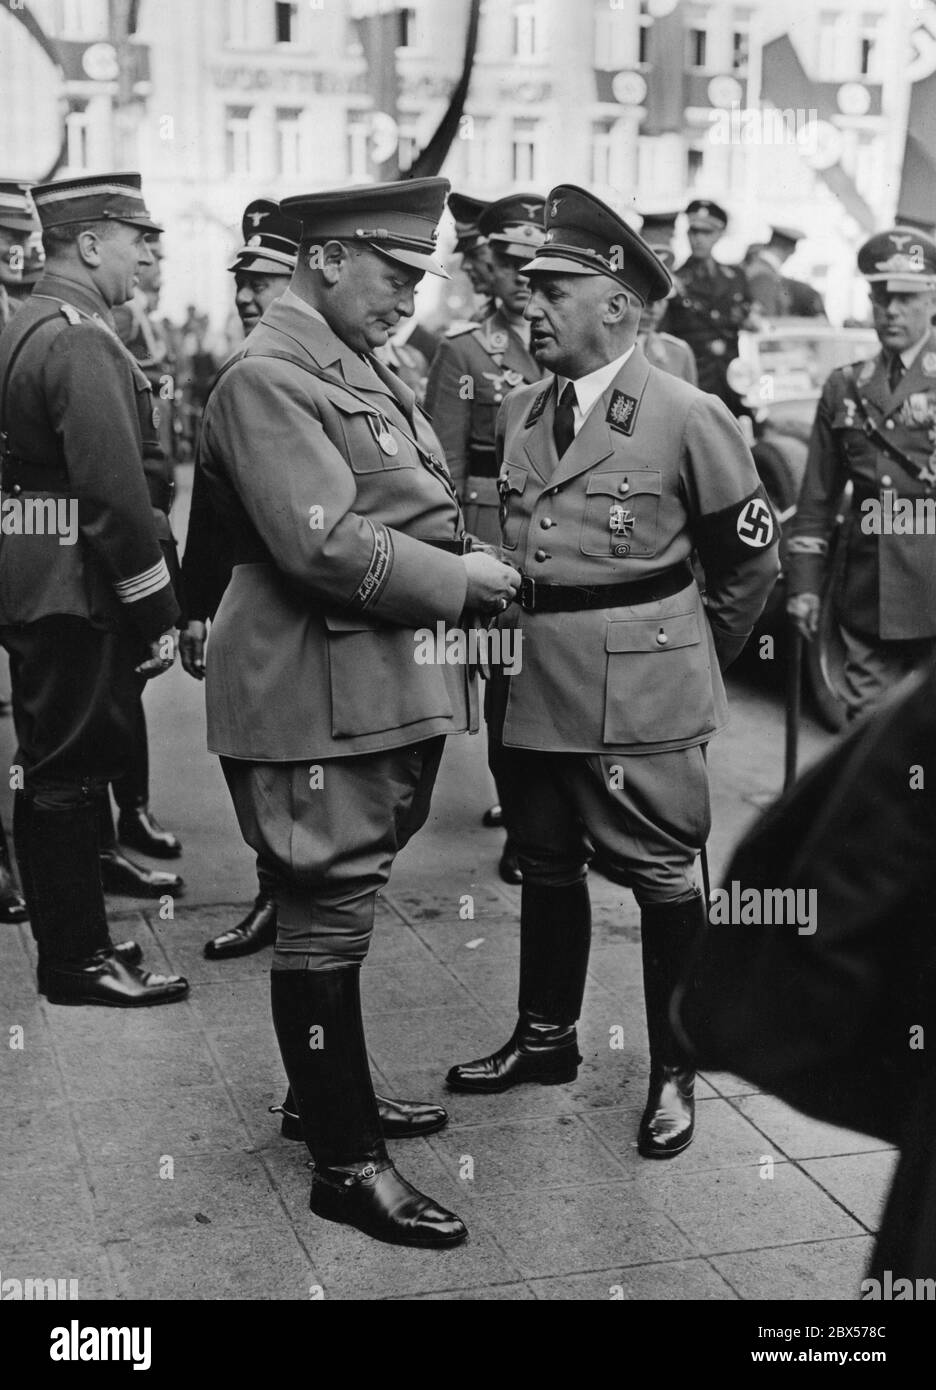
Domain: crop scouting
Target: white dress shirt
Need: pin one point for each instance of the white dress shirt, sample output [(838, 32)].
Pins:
[(590, 388)]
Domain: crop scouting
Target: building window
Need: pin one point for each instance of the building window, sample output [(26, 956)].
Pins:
[(740, 40), (695, 161), (237, 23), (523, 32), (77, 136), (869, 47), (476, 133), (615, 47), (696, 45), (285, 17), (645, 24), (288, 142), (357, 138), (602, 151), (238, 141), (523, 151), (409, 36)]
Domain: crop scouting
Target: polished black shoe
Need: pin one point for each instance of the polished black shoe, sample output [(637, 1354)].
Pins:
[(139, 828), (546, 1053), (399, 1119), (668, 1122), (105, 979), (258, 929), (493, 818), (378, 1201), (130, 952), (122, 875), (508, 868)]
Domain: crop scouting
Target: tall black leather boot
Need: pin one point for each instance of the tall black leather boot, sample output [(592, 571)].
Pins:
[(354, 1181), (399, 1119), (667, 934), (12, 904), (555, 938)]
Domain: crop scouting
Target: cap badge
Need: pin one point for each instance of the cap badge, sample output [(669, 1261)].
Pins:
[(554, 207), (902, 263), (531, 209), (257, 217)]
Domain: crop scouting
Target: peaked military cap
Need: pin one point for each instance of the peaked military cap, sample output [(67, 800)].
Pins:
[(399, 220), (465, 212), (786, 237), (515, 224), (93, 198), (902, 259), (16, 208), (658, 228), (706, 215), (585, 237), (271, 241)]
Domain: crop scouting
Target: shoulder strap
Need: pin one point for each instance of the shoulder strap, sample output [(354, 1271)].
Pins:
[(872, 430), (14, 355)]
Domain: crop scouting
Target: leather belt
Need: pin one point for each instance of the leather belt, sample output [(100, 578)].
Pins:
[(536, 597), (482, 462), (459, 547)]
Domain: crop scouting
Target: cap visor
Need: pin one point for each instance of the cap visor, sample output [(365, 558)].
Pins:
[(560, 265), (417, 259), (903, 284), (143, 222), (253, 264)]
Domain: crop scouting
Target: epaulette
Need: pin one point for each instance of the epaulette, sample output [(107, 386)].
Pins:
[(461, 326), (69, 312)]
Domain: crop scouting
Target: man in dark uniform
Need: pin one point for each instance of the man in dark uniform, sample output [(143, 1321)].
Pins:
[(612, 473), (347, 539), (473, 250), (262, 269), (86, 603), (476, 366), (711, 303), (774, 293), (875, 427), (662, 349)]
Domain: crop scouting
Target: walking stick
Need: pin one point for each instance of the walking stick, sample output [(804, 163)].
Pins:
[(793, 692), (706, 881)]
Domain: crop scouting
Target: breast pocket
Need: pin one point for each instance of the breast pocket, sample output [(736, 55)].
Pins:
[(659, 682), (510, 486), (372, 442), (621, 514)]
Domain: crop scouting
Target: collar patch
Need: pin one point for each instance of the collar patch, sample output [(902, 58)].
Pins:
[(622, 412)]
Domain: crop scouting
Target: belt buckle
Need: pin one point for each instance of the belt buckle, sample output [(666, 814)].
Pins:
[(527, 594)]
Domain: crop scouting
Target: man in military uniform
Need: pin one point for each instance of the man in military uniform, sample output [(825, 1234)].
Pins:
[(662, 349), (476, 366), (16, 225), (85, 609), (472, 249), (612, 473), (262, 269), (711, 303), (775, 294), (876, 428), (346, 537)]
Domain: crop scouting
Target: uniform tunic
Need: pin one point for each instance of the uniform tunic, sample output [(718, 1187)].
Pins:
[(658, 469), (711, 304), (477, 365), (340, 519)]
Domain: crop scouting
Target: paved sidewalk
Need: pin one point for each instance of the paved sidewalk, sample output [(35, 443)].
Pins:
[(141, 1161)]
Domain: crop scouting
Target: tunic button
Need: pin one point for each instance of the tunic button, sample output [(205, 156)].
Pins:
[(888, 424), (472, 497), (540, 555), (620, 550), (885, 480), (623, 487), (16, 489), (546, 522), (662, 638)]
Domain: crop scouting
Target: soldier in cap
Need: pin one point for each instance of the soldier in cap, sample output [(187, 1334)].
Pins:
[(476, 366), (612, 472), (473, 249), (875, 428), (662, 349), (711, 303), (17, 222), (776, 294), (87, 604), (345, 532), (262, 269)]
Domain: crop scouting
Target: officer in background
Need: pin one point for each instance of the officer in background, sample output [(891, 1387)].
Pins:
[(711, 303), (612, 473), (262, 269), (662, 349), (875, 427), (472, 248), (476, 366), (346, 537), (83, 620), (775, 294), (16, 226)]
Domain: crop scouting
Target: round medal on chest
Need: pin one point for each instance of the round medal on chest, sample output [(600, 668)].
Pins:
[(387, 442)]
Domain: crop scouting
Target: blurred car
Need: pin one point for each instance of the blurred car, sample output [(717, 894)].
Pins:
[(779, 373)]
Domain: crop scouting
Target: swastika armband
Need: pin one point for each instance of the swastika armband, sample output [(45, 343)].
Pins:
[(378, 571), (727, 537)]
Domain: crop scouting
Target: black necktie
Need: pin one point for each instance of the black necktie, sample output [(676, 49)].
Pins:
[(564, 423), (895, 371)]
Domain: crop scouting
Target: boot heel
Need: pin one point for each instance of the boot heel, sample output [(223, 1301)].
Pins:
[(559, 1078)]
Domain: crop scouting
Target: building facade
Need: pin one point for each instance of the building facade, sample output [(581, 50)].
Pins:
[(648, 102)]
